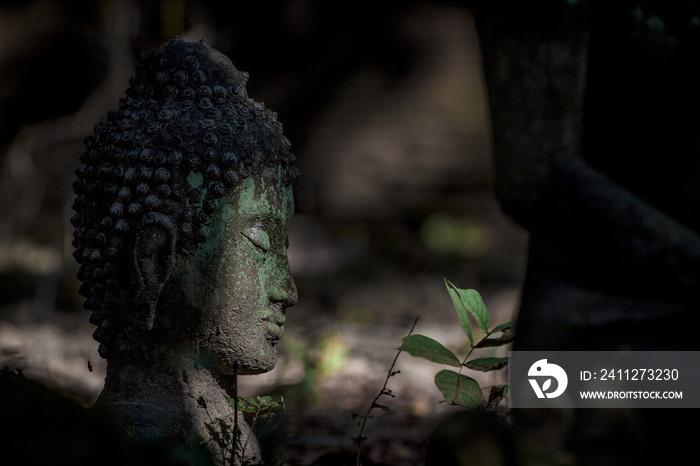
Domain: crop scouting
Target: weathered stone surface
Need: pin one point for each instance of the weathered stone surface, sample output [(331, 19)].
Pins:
[(183, 202)]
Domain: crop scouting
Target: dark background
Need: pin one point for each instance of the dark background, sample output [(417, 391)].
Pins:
[(384, 104)]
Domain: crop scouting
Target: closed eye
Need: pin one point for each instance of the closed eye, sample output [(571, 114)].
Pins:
[(258, 237)]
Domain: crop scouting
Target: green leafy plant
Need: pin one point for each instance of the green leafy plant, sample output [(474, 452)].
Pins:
[(457, 388), (227, 437), (259, 407)]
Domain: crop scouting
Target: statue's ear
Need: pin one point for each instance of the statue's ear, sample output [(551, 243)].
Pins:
[(153, 243)]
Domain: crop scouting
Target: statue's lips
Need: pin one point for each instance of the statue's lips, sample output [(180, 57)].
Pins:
[(275, 323)]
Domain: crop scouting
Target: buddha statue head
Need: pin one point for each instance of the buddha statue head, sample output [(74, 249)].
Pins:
[(183, 202)]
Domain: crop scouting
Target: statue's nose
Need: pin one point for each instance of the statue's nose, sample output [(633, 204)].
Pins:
[(283, 289), (292, 295), (285, 292)]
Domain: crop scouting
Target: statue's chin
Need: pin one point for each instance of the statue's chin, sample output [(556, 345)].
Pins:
[(249, 366), (259, 366)]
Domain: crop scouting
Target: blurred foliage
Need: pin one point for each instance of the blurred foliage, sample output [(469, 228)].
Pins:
[(462, 236), (350, 312), (323, 357)]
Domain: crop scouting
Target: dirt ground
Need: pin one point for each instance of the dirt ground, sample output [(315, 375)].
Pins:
[(335, 356)]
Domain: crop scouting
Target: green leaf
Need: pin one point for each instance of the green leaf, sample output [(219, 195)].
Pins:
[(498, 392), (246, 405), (504, 327), (507, 335), (475, 304), (487, 364), (201, 402), (459, 389), (461, 311), (427, 348)]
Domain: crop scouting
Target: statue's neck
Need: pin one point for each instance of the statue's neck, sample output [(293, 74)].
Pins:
[(174, 402), (143, 378)]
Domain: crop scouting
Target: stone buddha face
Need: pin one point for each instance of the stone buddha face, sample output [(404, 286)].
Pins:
[(183, 202), (236, 286)]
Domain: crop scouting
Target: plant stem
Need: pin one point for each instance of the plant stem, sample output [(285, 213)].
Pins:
[(374, 402), (471, 350), (252, 426), (235, 415)]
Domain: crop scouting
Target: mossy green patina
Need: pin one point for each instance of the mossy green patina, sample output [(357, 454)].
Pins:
[(183, 203), (195, 179), (238, 281)]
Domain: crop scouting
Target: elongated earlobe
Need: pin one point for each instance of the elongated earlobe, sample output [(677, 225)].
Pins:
[(154, 258)]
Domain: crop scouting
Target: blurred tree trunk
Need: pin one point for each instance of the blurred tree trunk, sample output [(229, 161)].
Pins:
[(535, 61), (595, 109)]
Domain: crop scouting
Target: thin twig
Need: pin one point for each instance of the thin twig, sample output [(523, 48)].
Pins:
[(252, 426), (359, 439), (235, 414)]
